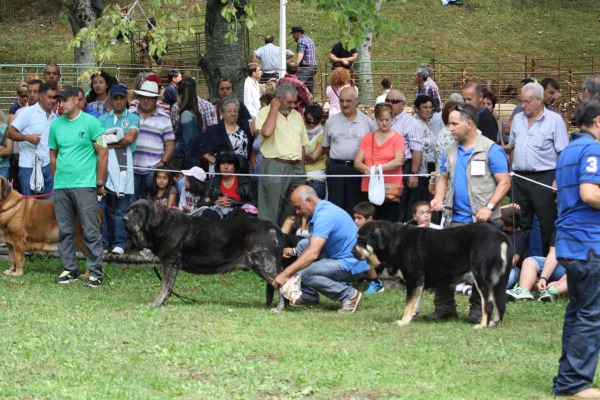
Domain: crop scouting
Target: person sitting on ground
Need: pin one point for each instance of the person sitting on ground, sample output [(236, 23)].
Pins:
[(163, 189), (315, 159), (340, 78), (191, 196), (325, 261), (364, 212), (175, 166), (227, 195), (422, 215), (552, 277), (386, 86), (511, 220)]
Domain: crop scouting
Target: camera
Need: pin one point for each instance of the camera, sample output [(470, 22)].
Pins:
[(430, 167)]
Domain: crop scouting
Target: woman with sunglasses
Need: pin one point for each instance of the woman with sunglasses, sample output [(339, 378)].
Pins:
[(315, 162)]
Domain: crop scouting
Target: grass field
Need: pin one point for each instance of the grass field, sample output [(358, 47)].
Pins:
[(74, 342)]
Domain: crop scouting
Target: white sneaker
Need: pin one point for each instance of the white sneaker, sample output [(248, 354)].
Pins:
[(467, 290), (118, 250), (126, 40), (114, 41), (147, 253), (459, 288)]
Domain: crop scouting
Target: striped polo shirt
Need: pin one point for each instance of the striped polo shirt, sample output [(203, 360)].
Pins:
[(154, 132)]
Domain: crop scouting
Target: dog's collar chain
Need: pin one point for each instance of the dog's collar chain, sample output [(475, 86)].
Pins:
[(14, 205)]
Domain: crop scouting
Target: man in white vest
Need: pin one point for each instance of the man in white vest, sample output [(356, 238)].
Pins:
[(473, 181)]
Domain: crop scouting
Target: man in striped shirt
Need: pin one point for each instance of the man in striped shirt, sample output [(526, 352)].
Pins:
[(156, 139), (538, 135), (307, 57), (413, 150)]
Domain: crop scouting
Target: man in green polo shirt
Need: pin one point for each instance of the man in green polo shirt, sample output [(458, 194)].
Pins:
[(78, 164)]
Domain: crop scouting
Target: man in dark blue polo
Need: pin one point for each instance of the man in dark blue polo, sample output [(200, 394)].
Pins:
[(578, 249), (325, 260)]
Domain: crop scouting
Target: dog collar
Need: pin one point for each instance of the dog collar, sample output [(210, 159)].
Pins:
[(1, 211)]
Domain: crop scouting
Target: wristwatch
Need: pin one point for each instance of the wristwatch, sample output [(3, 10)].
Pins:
[(490, 206)]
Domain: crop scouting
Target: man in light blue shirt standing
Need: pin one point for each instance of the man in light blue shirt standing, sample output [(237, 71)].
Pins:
[(269, 58), (325, 260)]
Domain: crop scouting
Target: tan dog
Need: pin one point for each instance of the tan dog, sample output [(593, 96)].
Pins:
[(30, 224)]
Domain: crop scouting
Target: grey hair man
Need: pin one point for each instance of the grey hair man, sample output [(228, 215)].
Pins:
[(341, 137), (284, 139), (427, 87), (590, 87), (537, 135)]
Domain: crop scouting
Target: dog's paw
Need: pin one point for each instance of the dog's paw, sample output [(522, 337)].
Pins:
[(401, 322), (276, 310), (155, 303), (10, 272), (479, 326)]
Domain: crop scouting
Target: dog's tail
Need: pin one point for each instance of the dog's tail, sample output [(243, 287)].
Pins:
[(500, 296), (270, 292)]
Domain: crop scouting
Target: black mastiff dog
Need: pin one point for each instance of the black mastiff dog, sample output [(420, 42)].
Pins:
[(201, 246), (425, 257)]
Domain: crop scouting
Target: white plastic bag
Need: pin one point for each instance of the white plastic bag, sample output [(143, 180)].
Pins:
[(376, 186), (36, 183)]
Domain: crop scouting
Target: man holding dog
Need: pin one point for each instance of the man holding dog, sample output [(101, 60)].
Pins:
[(31, 127), (78, 164), (284, 139), (325, 260), (473, 181), (578, 249)]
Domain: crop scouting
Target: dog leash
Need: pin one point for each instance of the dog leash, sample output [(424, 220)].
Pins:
[(182, 298), (14, 205)]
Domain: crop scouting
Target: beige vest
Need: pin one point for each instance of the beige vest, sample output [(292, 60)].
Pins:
[(481, 188)]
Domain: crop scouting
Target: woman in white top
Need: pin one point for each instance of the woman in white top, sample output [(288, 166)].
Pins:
[(252, 90)]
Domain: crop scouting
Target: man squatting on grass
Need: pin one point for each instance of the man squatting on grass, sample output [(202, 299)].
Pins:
[(78, 165)]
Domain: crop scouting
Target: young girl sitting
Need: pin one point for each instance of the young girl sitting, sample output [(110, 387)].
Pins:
[(163, 190), (191, 196)]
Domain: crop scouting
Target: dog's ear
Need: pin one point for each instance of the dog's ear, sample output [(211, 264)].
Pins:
[(150, 217), (382, 238), (6, 187)]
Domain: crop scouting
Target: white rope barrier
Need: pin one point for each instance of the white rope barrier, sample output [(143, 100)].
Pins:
[(310, 176)]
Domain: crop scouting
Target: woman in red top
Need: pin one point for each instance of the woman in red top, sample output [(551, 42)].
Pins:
[(383, 147), (226, 194)]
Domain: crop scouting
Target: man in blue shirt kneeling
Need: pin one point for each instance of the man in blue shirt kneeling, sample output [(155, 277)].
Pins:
[(325, 260)]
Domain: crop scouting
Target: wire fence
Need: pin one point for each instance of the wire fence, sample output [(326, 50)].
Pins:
[(501, 78)]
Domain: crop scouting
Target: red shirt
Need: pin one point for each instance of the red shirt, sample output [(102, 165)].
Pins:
[(231, 192), (376, 153)]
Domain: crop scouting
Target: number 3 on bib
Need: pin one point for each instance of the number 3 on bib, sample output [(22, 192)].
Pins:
[(592, 165)]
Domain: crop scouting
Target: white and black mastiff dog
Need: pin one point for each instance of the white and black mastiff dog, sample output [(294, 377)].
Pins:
[(200, 246), (426, 258)]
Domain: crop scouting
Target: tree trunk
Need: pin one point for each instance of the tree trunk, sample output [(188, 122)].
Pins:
[(364, 65), (82, 15), (222, 60)]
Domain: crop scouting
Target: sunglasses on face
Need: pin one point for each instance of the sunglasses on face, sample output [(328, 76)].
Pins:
[(311, 122), (394, 101)]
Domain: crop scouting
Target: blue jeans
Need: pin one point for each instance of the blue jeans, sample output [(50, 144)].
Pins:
[(581, 330), (114, 209), (25, 177), (325, 276), (140, 180), (307, 76), (319, 186), (5, 172)]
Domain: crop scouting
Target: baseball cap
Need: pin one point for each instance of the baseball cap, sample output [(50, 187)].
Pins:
[(119, 88), (67, 91), (155, 78), (196, 172)]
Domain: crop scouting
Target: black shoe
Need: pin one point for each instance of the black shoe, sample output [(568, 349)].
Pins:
[(438, 316), (93, 282), (66, 277), (301, 301), (473, 319)]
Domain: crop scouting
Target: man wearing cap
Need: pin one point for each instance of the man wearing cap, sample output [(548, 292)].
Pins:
[(156, 140), (307, 57), (269, 58), (31, 128), (162, 106), (78, 164), (119, 185), (284, 139)]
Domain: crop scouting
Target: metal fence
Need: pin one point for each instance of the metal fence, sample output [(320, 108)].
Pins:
[(501, 78)]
